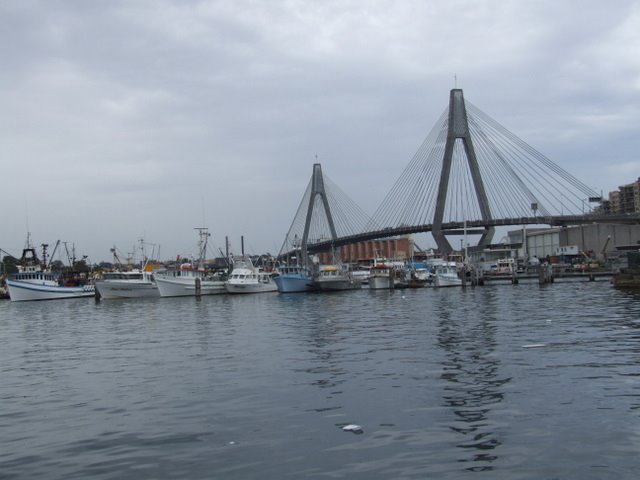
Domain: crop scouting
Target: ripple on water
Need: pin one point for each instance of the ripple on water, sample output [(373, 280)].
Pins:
[(261, 386)]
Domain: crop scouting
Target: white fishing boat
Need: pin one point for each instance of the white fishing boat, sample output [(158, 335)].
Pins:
[(246, 278), (127, 284), (34, 281), (381, 275), (188, 279), (41, 285), (446, 275), (336, 277)]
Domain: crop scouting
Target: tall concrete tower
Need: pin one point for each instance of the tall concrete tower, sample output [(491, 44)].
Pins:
[(458, 128)]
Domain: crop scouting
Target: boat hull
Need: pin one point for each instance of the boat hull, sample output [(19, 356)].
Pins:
[(380, 282), (446, 280), (169, 287), (113, 290), (294, 283), (249, 287), (335, 285), (25, 291)]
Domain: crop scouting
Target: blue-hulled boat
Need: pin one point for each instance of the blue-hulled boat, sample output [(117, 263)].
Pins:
[(294, 278)]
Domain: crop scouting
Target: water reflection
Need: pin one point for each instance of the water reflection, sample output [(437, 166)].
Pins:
[(466, 333)]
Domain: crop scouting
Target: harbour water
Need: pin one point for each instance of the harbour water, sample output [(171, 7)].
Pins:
[(498, 382)]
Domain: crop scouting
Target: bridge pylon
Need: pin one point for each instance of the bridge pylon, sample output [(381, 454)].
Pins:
[(317, 190), (458, 128)]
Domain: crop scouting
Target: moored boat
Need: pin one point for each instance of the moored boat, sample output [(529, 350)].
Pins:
[(381, 275), (34, 281), (446, 275), (188, 279), (127, 284), (294, 279), (247, 278), (27, 286), (336, 277)]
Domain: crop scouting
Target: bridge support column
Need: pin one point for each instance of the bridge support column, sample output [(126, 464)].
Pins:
[(317, 189), (458, 128)]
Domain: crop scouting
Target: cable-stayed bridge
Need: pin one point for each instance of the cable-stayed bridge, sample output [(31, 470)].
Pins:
[(469, 176)]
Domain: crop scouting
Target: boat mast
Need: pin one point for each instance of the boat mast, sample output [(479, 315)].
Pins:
[(203, 233)]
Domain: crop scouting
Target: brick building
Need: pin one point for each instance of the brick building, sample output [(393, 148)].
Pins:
[(399, 248)]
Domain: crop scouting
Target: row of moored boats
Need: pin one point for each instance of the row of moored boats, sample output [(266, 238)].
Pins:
[(34, 281)]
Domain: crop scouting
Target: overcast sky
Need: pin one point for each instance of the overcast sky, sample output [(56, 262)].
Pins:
[(123, 119)]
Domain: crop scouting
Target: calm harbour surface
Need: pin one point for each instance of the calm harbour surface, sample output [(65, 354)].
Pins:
[(497, 382)]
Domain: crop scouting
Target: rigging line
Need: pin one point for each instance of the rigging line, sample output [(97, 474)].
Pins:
[(303, 204), (542, 158), (525, 166), (533, 177), (338, 193), (469, 191), (428, 184), (496, 183), (396, 192), (507, 146), (496, 168), (436, 167), (413, 195), (400, 188), (544, 189), (470, 202), (427, 190)]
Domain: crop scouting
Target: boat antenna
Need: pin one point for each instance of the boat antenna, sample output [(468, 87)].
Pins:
[(202, 244)]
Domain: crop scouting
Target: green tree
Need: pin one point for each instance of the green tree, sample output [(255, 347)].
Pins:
[(57, 266), (81, 266), (10, 264)]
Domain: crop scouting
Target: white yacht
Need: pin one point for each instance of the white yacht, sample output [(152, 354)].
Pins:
[(246, 278)]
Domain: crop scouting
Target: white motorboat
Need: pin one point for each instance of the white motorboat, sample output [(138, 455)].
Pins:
[(446, 275), (246, 278), (188, 279), (35, 282)]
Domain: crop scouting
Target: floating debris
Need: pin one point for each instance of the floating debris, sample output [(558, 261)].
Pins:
[(357, 429), (534, 345)]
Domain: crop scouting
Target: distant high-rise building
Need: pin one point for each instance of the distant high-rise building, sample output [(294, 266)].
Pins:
[(626, 199)]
